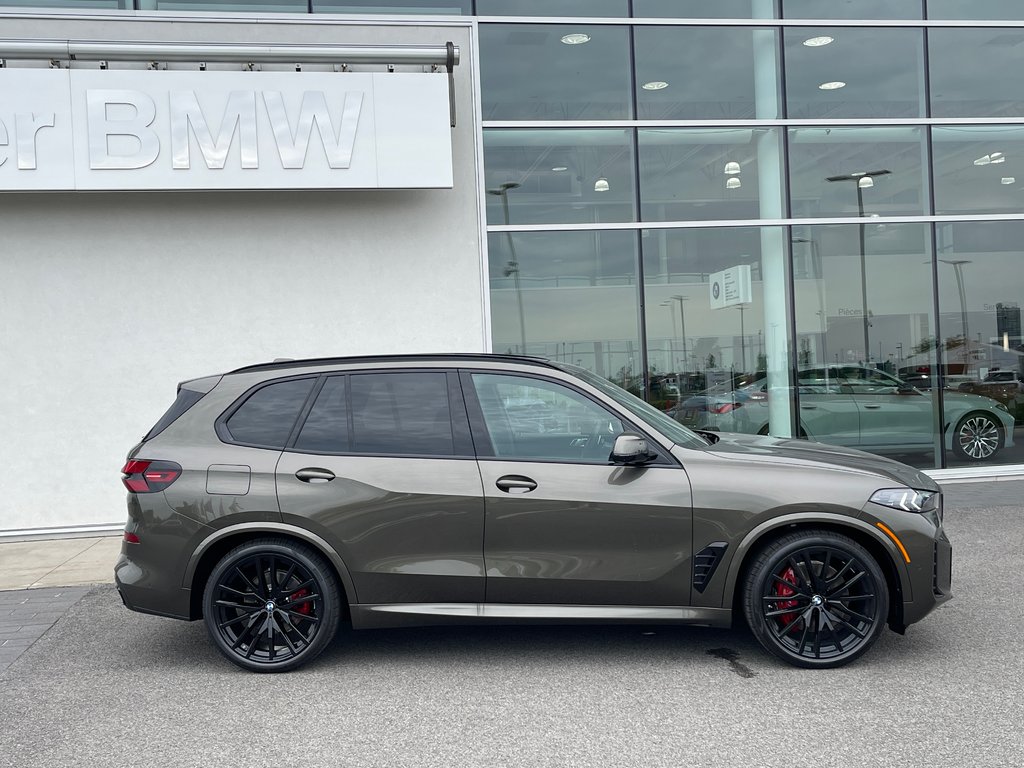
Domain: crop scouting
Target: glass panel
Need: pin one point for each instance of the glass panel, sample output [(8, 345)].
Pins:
[(972, 72), (856, 171), (978, 169), (593, 8), (569, 296), (554, 72), (975, 9), (268, 6), (839, 72), (864, 319), (981, 289), (446, 7), (268, 415), (706, 174), (715, 309), (529, 418), (114, 5), (559, 176), (702, 9), (326, 427), (851, 9), (403, 413), (685, 73)]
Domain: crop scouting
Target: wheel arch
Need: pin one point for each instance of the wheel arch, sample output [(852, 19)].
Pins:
[(879, 546), (205, 557)]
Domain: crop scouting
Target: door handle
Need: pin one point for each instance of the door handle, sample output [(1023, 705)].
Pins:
[(809, 407), (873, 407), (314, 475), (515, 484)]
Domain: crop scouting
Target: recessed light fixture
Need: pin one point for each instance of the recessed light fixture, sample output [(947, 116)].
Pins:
[(576, 38), (654, 85), (832, 85), (733, 182), (1007, 180), (559, 168), (601, 185), (817, 42), (732, 168)]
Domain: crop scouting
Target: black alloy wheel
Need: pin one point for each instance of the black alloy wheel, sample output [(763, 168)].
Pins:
[(977, 437), (271, 605), (816, 599)]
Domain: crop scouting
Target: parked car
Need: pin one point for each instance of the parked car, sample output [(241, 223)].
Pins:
[(277, 500), (1004, 386), (861, 407)]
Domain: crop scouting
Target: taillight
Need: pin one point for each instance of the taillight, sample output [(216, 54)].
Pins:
[(725, 407), (149, 476)]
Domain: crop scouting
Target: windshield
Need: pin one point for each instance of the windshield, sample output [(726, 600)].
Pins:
[(647, 413)]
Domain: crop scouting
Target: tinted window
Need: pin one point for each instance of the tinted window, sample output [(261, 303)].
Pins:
[(404, 413), (326, 428), (268, 415), (530, 418)]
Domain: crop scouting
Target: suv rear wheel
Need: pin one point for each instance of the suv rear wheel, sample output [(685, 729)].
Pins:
[(271, 605), (816, 599)]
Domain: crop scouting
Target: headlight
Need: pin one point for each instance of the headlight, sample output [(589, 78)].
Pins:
[(906, 499)]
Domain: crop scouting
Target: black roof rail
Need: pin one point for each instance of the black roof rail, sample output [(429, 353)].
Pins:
[(280, 364)]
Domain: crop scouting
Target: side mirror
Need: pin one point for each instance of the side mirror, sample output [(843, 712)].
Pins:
[(630, 449)]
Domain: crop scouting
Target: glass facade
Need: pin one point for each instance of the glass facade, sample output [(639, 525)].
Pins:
[(760, 226)]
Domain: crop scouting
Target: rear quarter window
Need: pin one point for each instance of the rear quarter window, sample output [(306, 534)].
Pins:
[(267, 415)]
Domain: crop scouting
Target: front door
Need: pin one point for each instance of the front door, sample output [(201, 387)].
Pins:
[(563, 524)]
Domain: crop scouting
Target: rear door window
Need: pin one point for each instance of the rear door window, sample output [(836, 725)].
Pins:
[(399, 413)]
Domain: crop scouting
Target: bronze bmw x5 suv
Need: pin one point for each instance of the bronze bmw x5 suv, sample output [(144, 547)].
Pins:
[(276, 500)]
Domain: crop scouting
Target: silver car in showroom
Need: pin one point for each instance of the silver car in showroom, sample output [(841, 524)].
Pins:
[(861, 407)]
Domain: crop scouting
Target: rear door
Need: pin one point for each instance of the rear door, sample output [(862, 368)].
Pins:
[(383, 468), (563, 524)]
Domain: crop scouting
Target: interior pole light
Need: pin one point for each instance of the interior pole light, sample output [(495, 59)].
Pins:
[(601, 185), (732, 167), (733, 183)]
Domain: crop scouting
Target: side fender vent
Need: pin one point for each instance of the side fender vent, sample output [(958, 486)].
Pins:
[(705, 562)]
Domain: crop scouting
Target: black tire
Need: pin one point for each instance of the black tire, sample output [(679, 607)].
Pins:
[(815, 599), (977, 437), (271, 605)]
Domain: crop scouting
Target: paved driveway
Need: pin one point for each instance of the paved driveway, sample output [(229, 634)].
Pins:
[(106, 687)]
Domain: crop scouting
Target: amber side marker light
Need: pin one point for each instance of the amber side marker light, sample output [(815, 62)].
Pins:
[(893, 536)]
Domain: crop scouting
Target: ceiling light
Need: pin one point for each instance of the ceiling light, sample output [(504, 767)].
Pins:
[(865, 182), (1007, 180), (733, 183), (654, 85), (601, 185), (831, 86), (817, 42), (999, 159), (575, 38), (732, 168), (996, 155), (559, 168), (983, 160)]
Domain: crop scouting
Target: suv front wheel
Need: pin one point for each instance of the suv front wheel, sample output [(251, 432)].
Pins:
[(816, 599), (271, 605)]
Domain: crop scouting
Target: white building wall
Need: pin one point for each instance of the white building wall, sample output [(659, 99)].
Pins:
[(107, 300)]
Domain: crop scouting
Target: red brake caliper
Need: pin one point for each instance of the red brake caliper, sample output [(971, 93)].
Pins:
[(783, 591), (306, 607)]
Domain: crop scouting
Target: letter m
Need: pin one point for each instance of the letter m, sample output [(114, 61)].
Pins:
[(239, 114)]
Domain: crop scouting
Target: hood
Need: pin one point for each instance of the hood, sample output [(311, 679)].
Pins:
[(793, 452)]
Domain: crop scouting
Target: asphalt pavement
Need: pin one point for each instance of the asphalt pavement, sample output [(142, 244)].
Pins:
[(107, 687)]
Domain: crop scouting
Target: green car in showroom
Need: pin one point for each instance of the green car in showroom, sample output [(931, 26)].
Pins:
[(278, 500), (866, 408)]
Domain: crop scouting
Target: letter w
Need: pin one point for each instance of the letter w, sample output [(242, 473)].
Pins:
[(240, 114), (292, 146)]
